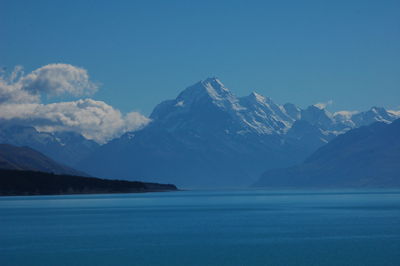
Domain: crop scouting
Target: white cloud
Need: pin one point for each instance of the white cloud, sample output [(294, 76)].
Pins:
[(345, 114), (11, 90), (395, 112), (57, 80), (323, 105), (20, 102)]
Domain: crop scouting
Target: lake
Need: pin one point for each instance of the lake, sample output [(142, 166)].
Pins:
[(233, 227)]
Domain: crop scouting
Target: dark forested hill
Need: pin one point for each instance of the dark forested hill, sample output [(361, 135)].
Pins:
[(14, 182)]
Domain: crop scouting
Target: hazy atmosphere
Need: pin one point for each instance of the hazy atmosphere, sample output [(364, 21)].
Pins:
[(209, 133), (142, 52)]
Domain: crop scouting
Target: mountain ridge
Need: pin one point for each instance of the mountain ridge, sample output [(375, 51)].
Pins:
[(66, 147), (368, 156), (208, 137)]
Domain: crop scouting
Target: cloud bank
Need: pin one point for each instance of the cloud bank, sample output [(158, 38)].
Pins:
[(20, 102)]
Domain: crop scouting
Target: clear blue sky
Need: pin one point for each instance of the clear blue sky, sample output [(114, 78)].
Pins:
[(146, 51)]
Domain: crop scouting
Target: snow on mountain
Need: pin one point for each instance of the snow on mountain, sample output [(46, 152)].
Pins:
[(375, 114), (200, 95), (257, 114), (319, 117), (205, 137), (263, 115), (251, 114), (208, 137), (395, 113), (66, 147), (354, 119), (345, 118), (292, 110)]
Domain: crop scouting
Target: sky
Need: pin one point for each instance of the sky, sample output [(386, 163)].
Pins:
[(139, 53)]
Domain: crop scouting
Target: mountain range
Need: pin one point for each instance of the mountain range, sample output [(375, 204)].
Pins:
[(368, 156), (208, 137), (205, 137), (66, 147)]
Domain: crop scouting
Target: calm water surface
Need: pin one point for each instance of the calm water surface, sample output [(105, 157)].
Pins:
[(252, 227)]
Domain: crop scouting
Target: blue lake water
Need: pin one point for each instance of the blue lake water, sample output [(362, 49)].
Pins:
[(244, 227)]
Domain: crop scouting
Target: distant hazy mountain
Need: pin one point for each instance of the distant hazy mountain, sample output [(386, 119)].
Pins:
[(66, 147), (316, 126), (24, 158), (208, 137), (368, 156)]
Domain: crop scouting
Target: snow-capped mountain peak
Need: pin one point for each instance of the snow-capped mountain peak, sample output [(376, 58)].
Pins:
[(209, 100), (318, 116), (202, 95), (375, 114), (215, 84), (210, 89), (257, 97)]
